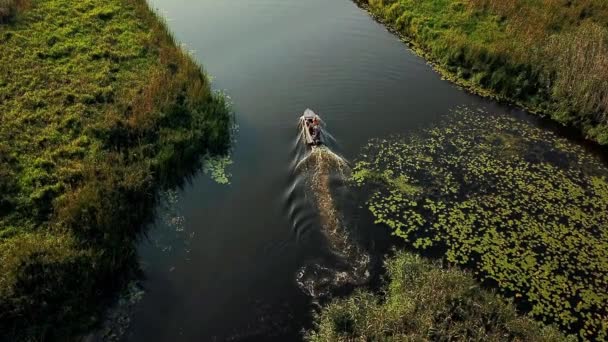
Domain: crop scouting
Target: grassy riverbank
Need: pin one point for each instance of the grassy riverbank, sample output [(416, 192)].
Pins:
[(548, 56), (422, 302), (99, 108)]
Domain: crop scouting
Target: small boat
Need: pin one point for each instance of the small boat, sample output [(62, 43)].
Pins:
[(310, 123)]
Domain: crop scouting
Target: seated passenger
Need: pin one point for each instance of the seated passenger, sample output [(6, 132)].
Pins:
[(316, 132)]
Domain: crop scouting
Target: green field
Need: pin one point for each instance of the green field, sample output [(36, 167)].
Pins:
[(98, 109), (425, 302), (549, 56)]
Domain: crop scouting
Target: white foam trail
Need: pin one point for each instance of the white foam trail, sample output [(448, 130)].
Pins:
[(319, 166)]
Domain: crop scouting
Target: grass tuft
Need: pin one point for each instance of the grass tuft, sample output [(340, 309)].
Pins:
[(425, 302)]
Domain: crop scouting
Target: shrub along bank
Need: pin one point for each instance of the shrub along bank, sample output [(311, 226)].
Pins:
[(424, 302), (98, 108), (549, 56)]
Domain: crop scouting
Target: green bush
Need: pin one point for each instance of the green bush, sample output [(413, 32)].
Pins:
[(424, 302)]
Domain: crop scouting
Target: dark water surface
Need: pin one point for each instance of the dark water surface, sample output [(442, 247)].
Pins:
[(221, 262)]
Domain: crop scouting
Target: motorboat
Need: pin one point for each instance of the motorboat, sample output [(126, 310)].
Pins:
[(310, 124)]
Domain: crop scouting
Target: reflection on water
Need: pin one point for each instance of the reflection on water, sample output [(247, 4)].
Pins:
[(270, 321), (170, 234), (118, 317), (216, 167)]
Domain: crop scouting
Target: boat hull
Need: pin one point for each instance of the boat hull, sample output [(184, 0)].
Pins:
[(305, 122)]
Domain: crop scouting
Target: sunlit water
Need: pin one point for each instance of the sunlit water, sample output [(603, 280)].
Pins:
[(249, 259)]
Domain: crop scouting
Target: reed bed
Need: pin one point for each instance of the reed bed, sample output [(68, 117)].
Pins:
[(549, 56)]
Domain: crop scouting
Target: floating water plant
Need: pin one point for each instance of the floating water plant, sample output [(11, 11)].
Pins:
[(524, 208), (216, 167)]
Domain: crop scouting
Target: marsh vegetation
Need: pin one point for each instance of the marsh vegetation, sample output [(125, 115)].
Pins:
[(520, 206), (423, 301), (549, 56), (99, 108)]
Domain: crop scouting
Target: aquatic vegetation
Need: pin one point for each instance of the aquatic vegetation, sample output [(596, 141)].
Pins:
[(526, 209), (550, 56), (216, 167), (425, 302), (99, 109)]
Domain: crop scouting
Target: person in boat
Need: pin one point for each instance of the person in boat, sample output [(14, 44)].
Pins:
[(315, 131)]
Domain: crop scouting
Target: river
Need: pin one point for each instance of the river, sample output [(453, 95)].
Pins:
[(225, 267)]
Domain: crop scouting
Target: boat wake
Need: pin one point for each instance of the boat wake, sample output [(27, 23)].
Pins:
[(322, 175)]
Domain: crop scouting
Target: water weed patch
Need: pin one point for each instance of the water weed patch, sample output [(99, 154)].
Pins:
[(522, 207)]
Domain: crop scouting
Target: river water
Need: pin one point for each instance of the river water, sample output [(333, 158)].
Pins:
[(222, 261)]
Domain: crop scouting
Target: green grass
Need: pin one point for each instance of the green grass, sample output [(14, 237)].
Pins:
[(98, 109), (522, 207), (425, 302), (549, 56)]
